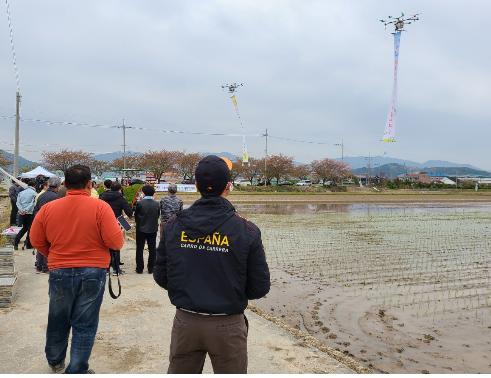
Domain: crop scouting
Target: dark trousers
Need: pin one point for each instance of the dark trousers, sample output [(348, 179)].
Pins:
[(115, 260), (75, 298), (13, 213), (151, 239), (26, 220), (41, 262), (224, 338)]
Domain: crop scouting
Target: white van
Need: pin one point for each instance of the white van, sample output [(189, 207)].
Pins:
[(304, 183)]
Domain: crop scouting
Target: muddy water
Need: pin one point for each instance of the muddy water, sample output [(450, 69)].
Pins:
[(403, 288), (359, 208)]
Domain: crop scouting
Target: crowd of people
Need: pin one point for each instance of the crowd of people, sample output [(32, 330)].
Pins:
[(210, 260), (25, 203)]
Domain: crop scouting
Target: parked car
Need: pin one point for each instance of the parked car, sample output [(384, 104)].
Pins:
[(243, 183), (285, 182), (304, 183), (136, 181), (187, 182)]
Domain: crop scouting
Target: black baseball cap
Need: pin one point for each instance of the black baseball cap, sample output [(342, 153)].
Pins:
[(212, 175)]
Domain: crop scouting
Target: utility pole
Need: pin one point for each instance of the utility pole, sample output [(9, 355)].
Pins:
[(124, 145), (16, 142), (369, 168), (124, 127), (342, 149), (266, 157)]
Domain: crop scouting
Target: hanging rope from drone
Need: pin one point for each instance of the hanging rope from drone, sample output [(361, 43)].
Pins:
[(399, 23), (232, 88)]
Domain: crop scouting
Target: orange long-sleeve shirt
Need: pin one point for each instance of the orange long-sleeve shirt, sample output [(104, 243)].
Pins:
[(76, 231)]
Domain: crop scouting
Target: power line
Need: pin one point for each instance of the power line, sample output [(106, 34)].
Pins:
[(297, 140), (12, 46), (165, 131)]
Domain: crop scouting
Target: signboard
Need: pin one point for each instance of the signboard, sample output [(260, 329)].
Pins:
[(186, 188)]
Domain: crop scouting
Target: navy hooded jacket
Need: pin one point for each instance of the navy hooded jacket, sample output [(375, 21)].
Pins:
[(211, 260)]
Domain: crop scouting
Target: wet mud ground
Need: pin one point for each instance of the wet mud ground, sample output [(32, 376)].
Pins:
[(401, 289)]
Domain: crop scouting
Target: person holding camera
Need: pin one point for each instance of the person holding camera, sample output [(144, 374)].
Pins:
[(75, 233), (114, 197), (211, 261)]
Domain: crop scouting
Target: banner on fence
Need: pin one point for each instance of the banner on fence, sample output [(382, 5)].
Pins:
[(183, 188)]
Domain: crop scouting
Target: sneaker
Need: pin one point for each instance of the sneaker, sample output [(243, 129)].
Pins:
[(150, 271), (16, 247), (58, 368), (121, 263), (139, 271), (90, 371)]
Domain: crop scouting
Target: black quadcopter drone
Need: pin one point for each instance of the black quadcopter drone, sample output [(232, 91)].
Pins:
[(232, 87), (400, 22)]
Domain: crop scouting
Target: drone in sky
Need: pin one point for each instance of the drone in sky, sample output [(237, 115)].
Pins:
[(400, 22), (232, 87)]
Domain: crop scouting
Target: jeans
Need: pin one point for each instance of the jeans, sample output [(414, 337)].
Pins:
[(151, 240), (26, 220), (75, 298)]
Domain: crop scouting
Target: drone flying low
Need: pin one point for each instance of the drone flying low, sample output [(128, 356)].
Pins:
[(400, 22), (232, 87)]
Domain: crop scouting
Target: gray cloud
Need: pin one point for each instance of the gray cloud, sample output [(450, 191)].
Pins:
[(312, 70)]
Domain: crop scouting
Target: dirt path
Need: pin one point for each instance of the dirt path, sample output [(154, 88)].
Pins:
[(134, 331)]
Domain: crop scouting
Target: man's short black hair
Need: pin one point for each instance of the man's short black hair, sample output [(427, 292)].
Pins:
[(115, 186), (108, 183), (77, 176), (148, 190)]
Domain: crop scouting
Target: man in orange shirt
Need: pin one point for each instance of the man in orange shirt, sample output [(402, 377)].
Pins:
[(75, 233)]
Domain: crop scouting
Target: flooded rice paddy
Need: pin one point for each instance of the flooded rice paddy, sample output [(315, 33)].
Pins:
[(403, 288)]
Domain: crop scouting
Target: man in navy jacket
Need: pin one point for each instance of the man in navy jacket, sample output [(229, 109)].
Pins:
[(211, 261)]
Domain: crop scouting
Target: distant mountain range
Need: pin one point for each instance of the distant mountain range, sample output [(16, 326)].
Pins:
[(380, 165), (110, 156), (22, 162), (362, 161), (393, 170)]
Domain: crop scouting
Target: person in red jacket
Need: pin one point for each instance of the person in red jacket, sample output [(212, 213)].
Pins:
[(75, 233)]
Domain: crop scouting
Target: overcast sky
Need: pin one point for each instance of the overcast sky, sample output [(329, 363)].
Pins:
[(312, 70)]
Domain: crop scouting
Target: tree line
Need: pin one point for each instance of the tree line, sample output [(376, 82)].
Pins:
[(275, 168)]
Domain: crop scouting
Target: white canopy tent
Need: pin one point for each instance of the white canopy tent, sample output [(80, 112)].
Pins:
[(36, 172)]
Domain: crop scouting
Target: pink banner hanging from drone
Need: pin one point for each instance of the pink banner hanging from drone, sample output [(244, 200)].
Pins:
[(390, 131)]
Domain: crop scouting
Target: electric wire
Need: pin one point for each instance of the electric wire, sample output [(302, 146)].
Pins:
[(165, 131), (298, 140)]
